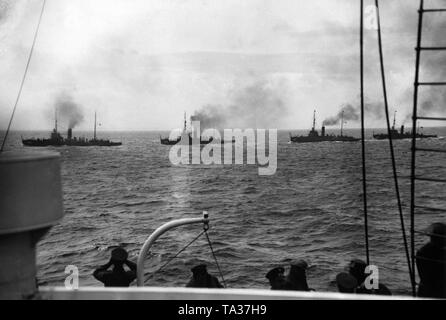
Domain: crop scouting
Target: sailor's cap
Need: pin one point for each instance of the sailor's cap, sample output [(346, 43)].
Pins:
[(275, 272), (199, 269), (302, 264), (119, 254), (437, 229)]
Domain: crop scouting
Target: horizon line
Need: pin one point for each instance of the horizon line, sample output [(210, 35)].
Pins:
[(163, 130)]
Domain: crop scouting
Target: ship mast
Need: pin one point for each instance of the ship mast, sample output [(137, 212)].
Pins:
[(342, 122), (394, 120), (55, 119), (314, 120), (185, 122), (94, 135)]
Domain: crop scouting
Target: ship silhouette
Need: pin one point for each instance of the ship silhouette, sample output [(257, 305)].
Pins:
[(57, 140), (187, 135), (314, 136), (399, 135)]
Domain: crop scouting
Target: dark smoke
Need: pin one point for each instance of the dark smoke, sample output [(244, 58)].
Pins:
[(260, 105), (352, 112), (212, 116), (68, 111), (347, 111)]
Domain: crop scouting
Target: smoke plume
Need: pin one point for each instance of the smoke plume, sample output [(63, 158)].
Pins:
[(260, 105), (352, 112), (68, 111), (348, 112)]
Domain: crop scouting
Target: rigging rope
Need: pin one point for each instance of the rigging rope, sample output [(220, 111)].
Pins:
[(414, 133), (392, 154), (179, 252), (187, 246), (364, 180), (24, 77), (215, 258)]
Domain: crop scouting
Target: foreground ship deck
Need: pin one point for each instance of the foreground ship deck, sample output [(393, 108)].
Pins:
[(158, 293)]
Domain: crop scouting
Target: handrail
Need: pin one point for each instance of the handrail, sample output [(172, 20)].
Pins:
[(156, 234)]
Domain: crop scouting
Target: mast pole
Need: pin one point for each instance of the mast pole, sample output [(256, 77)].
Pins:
[(94, 126), (314, 120), (363, 151), (55, 118), (394, 120), (342, 122)]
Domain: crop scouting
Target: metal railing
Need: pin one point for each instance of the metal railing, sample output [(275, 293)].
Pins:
[(159, 232)]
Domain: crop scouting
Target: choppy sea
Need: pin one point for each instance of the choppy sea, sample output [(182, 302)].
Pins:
[(310, 209)]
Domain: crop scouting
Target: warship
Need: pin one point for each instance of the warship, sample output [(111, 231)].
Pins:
[(399, 135), (313, 135), (57, 140), (188, 135)]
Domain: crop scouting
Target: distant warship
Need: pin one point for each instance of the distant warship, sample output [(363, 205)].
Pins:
[(57, 140), (399, 135), (188, 135), (313, 135)]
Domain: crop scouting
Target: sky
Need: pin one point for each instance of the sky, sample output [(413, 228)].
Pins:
[(255, 63)]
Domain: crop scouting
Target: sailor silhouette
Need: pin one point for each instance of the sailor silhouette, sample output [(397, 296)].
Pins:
[(431, 263), (118, 277), (276, 278), (202, 279), (297, 277)]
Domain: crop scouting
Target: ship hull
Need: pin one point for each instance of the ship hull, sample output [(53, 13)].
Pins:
[(303, 139), (168, 142), (41, 143), (383, 136), (49, 143)]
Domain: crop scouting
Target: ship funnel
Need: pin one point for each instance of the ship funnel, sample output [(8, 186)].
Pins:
[(402, 129), (323, 131), (70, 133)]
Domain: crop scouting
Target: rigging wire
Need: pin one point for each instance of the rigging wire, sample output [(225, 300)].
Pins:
[(187, 246), (179, 252), (414, 133), (392, 154), (24, 76), (364, 176), (215, 258)]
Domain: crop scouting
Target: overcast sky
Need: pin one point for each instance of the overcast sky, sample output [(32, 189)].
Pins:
[(141, 64)]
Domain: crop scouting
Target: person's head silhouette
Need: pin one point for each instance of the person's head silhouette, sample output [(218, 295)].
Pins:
[(357, 270), (276, 278), (437, 233), (119, 257)]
